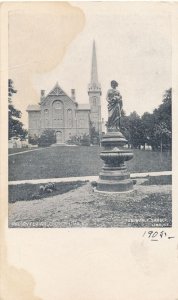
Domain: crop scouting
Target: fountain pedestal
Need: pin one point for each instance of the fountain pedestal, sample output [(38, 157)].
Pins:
[(114, 176)]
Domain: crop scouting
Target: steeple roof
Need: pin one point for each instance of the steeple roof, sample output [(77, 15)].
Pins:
[(94, 71), (94, 85)]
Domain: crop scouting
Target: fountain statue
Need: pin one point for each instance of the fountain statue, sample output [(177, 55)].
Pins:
[(114, 176), (115, 105)]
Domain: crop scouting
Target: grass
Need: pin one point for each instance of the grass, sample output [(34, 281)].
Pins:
[(25, 192), (55, 162), (158, 180)]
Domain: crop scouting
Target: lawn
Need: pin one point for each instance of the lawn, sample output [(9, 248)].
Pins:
[(24, 192), (64, 161)]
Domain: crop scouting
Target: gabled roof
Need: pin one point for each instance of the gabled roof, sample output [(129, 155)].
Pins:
[(83, 107), (33, 108), (57, 91)]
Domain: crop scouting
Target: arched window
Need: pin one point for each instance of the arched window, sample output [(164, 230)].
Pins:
[(69, 118), (58, 113), (46, 118)]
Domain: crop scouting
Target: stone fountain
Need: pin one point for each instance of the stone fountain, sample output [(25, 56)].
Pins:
[(114, 176)]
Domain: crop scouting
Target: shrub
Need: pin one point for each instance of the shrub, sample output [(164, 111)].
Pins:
[(79, 140), (74, 140), (47, 138), (33, 140), (85, 140)]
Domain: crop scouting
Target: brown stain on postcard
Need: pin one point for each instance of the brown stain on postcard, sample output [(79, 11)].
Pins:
[(39, 36), (34, 46), (17, 284)]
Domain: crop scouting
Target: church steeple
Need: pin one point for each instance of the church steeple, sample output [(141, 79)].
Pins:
[(94, 71), (94, 84), (94, 92)]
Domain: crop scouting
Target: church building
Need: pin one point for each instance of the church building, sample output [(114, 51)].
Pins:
[(62, 113)]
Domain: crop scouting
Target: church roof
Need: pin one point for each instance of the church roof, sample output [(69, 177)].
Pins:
[(56, 91), (33, 108), (83, 107)]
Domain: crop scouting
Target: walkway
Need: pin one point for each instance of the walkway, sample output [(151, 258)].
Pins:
[(27, 151), (84, 178)]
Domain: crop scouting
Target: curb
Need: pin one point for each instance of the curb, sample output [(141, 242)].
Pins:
[(85, 178)]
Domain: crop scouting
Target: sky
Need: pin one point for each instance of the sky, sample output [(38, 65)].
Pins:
[(53, 42)]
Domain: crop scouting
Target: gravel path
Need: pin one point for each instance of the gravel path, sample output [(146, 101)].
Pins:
[(146, 206)]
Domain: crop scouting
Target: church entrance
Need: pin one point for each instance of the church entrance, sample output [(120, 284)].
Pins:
[(59, 139)]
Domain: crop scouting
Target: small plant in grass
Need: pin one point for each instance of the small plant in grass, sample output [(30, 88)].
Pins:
[(47, 188)]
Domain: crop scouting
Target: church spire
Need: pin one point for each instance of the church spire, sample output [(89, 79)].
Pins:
[(94, 85), (94, 72), (94, 92)]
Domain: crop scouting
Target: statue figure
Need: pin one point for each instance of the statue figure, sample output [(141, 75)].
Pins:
[(114, 100)]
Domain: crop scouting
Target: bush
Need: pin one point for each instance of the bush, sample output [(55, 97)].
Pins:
[(79, 140), (33, 140), (47, 138), (85, 140), (74, 140)]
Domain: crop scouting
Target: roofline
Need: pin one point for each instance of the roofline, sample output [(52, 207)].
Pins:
[(57, 85), (33, 109)]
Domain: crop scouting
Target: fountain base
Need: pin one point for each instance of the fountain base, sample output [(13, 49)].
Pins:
[(114, 176)]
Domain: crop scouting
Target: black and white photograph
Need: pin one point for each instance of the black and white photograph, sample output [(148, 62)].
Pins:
[(90, 123), (88, 150)]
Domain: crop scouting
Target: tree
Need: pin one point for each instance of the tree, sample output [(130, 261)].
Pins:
[(132, 128), (155, 128), (15, 126), (162, 133), (125, 129), (148, 120), (163, 122)]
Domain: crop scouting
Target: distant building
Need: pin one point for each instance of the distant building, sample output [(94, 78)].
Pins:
[(62, 113)]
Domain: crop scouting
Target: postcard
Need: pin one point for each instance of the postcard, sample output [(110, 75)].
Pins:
[(88, 150)]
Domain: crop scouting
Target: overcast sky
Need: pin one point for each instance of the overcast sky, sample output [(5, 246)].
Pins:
[(53, 42)]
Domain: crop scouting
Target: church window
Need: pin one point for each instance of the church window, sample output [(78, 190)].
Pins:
[(69, 118), (46, 117), (58, 113)]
